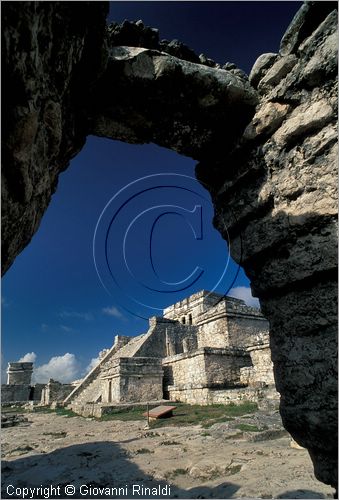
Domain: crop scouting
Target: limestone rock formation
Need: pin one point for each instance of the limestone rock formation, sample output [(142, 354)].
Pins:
[(51, 58), (272, 182), (279, 203), (205, 108)]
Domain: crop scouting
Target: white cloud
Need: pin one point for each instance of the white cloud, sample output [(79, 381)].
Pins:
[(92, 364), (94, 361), (112, 311), (244, 293), (29, 357), (77, 315), (61, 368), (67, 329)]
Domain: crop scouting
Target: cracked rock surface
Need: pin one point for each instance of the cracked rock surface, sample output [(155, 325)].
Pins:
[(50, 58), (218, 462)]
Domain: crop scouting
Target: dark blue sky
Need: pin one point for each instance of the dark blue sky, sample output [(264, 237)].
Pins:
[(53, 300)]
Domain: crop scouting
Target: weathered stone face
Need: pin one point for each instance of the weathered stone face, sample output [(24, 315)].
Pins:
[(279, 201), (55, 391), (126, 380), (205, 108), (51, 57), (274, 184), (19, 373)]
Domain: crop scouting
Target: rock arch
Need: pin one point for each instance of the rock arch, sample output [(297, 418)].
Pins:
[(265, 146)]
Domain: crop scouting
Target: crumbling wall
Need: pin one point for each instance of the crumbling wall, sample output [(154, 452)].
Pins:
[(221, 321), (195, 305), (266, 398), (36, 392), (19, 373), (166, 337), (14, 392), (55, 391), (261, 371)]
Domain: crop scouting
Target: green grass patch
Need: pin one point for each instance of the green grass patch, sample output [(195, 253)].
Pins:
[(208, 423), (233, 410), (64, 412), (248, 428), (238, 435), (124, 414), (176, 472), (184, 414), (204, 415), (40, 409), (43, 409)]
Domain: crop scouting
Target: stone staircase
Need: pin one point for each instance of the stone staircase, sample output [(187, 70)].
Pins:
[(130, 350), (90, 388)]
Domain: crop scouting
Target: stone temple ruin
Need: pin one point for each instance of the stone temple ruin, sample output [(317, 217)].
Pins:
[(204, 349), (19, 386)]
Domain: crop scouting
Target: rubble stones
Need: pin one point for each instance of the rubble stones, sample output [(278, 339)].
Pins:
[(12, 420)]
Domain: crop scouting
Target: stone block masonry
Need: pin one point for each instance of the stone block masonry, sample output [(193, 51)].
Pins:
[(204, 368), (13, 393), (18, 387), (132, 380), (168, 356)]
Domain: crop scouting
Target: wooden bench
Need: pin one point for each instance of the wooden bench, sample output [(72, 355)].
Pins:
[(160, 412)]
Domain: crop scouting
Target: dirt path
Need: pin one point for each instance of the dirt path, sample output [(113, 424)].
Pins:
[(218, 462)]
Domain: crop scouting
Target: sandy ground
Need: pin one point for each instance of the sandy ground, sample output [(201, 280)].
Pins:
[(83, 456)]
